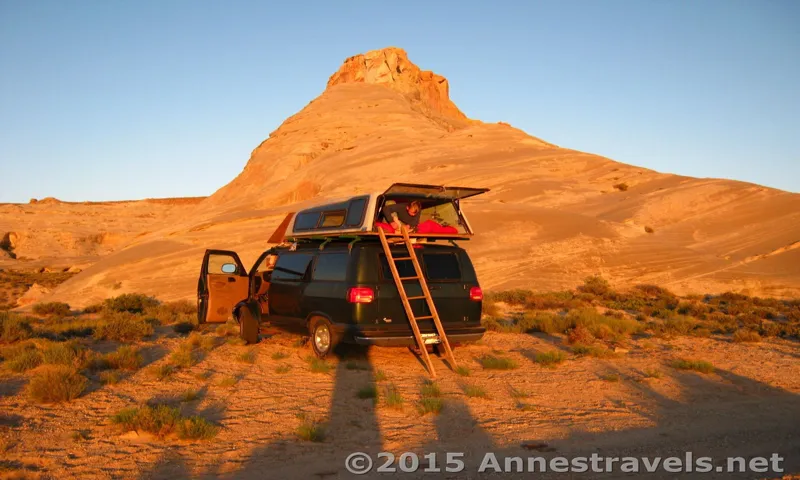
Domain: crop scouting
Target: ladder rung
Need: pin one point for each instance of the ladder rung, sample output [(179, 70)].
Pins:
[(401, 258), (409, 278), (428, 317), (417, 298)]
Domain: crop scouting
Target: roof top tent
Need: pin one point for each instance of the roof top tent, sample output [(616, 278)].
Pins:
[(357, 215)]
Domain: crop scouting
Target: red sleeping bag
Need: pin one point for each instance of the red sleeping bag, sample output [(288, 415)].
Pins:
[(428, 226)]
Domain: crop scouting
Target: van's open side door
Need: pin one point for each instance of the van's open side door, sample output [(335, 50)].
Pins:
[(223, 283)]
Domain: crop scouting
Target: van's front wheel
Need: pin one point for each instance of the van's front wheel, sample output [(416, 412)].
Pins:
[(323, 340)]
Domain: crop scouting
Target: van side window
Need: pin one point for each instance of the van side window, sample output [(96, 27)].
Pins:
[(333, 219), (355, 212), (331, 267), (441, 266), (292, 267), (404, 267), (306, 221)]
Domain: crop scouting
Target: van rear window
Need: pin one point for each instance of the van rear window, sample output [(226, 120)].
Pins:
[(441, 266), (404, 267)]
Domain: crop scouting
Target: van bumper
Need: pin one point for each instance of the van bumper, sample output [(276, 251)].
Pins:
[(456, 336)]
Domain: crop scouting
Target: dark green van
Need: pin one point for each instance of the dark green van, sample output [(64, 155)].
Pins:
[(345, 293)]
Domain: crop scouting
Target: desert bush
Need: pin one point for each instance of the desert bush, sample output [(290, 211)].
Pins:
[(68, 353), (595, 285), (654, 292), (579, 334), (167, 313), (600, 325), (196, 428), (696, 365), (621, 187), (56, 383), (14, 328), (318, 365), (744, 335), (649, 229), (610, 377), (184, 356), (21, 357), (550, 359), (310, 430), (596, 351), (130, 302), (125, 358), (475, 391), (248, 356), (159, 420), (52, 308), (430, 398), (67, 327), (544, 322), (123, 327), (492, 362), (553, 300), (770, 329), (511, 297), (370, 391), (489, 308), (94, 308)]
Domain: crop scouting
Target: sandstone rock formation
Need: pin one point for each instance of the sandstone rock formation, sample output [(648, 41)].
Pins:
[(391, 67), (552, 217)]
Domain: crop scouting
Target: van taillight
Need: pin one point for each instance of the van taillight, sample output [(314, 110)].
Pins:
[(475, 293), (360, 295)]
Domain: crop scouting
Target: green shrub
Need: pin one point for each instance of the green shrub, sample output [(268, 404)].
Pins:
[(169, 313), (131, 303), (14, 328), (310, 430), (392, 396), (491, 362), (196, 428), (595, 285), (159, 420), (68, 353), (52, 308), (475, 391), (56, 383), (125, 358), (20, 358), (744, 335), (696, 365), (430, 405), (123, 327), (550, 359), (368, 392)]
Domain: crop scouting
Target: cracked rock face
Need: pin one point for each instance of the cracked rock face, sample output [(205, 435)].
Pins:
[(391, 67)]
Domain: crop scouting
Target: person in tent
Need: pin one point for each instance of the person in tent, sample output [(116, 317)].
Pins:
[(403, 214)]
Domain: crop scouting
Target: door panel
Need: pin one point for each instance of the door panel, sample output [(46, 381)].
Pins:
[(288, 282), (223, 283)]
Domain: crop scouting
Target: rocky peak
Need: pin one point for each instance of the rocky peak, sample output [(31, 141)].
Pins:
[(391, 67)]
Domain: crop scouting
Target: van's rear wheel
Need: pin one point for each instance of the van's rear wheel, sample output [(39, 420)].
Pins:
[(248, 325), (323, 340)]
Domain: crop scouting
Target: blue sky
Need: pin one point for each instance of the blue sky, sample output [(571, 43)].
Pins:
[(124, 100)]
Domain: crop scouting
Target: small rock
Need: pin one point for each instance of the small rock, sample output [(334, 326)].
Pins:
[(538, 446), (621, 350)]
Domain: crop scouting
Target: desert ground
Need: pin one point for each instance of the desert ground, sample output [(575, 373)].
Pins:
[(553, 376), (629, 312)]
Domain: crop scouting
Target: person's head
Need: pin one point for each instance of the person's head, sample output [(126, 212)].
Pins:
[(414, 207)]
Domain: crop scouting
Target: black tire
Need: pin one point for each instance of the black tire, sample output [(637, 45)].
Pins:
[(323, 339), (248, 325)]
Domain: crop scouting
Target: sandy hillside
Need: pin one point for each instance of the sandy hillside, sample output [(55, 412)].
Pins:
[(553, 215)]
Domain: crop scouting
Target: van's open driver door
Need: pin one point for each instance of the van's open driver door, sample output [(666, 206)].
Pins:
[(223, 283)]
